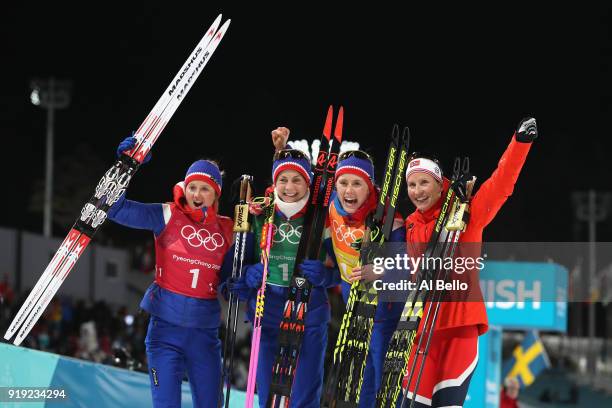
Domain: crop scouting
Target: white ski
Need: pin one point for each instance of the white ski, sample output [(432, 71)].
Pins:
[(112, 185)]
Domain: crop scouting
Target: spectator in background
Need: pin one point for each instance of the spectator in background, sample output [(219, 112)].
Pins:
[(509, 394), (42, 337), (6, 293), (6, 300), (78, 329), (147, 260), (143, 257), (88, 342)]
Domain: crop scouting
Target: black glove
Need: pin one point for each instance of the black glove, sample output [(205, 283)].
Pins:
[(527, 131), (460, 186)]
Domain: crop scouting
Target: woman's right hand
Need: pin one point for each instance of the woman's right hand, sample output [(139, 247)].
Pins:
[(280, 135), (365, 273)]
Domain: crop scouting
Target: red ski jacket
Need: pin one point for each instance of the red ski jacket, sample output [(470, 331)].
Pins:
[(485, 204)]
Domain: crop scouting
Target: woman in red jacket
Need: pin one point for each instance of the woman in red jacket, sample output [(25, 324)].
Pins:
[(453, 353)]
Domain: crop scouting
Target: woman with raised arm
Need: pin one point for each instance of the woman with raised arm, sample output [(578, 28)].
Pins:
[(191, 240), (453, 354)]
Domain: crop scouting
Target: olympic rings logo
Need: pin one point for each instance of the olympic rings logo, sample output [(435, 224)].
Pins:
[(286, 232), (347, 234), (202, 237)]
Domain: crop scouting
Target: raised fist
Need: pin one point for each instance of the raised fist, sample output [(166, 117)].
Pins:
[(280, 135)]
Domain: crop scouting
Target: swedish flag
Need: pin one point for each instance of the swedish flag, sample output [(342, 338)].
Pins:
[(527, 361)]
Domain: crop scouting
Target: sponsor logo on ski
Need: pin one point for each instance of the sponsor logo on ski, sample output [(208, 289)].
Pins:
[(300, 282), (398, 178), (443, 211), (388, 174), (193, 75), (180, 78), (321, 158), (333, 161), (241, 224)]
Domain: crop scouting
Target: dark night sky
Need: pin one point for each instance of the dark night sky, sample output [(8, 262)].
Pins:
[(460, 78)]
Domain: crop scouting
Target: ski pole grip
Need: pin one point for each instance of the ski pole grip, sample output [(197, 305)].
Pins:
[(241, 218), (245, 188), (241, 211)]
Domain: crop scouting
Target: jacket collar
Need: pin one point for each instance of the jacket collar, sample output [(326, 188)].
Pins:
[(201, 215)]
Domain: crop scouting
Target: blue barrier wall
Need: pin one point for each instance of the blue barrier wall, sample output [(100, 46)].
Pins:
[(518, 295), (86, 384), (485, 384)]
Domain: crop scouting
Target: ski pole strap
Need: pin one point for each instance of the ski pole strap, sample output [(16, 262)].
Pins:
[(269, 215)]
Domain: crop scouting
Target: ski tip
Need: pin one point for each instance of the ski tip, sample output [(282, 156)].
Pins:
[(217, 21), (395, 132), (395, 135), (465, 167), (221, 32), (328, 122), (456, 167), (213, 27), (406, 135), (339, 124), (7, 336)]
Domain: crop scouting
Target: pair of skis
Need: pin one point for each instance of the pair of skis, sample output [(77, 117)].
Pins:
[(296, 307), (450, 224), (351, 351), (112, 185), (241, 229), (265, 243)]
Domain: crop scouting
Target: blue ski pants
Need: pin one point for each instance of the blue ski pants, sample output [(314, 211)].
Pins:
[(173, 351)]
